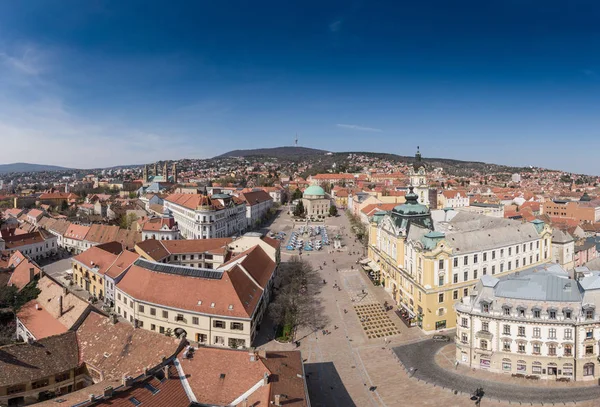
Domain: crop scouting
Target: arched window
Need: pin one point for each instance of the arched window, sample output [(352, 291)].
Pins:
[(588, 369)]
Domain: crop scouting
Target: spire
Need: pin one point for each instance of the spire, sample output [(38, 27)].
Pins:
[(418, 155)]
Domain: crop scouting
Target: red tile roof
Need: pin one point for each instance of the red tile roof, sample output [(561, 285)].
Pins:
[(39, 322), (21, 275)]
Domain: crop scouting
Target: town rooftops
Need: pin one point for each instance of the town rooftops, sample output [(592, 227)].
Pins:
[(19, 240), (24, 363), (76, 232), (256, 197), (38, 321), (540, 285), (24, 272)]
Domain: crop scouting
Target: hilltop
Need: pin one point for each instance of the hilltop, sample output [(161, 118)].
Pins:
[(26, 167), (276, 152)]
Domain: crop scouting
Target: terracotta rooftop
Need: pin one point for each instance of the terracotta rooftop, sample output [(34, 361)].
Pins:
[(118, 349), (39, 322), (96, 257), (20, 240), (76, 232), (22, 363), (217, 245), (72, 306), (255, 197), (21, 275)]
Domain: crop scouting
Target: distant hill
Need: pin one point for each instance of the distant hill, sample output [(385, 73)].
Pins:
[(26, 167), (277, 152)]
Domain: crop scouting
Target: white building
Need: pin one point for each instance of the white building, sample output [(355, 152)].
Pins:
[(161, 228), (36, 245), (453, 199), (258, 204), (516, 177), (537, 323), (200, 216)]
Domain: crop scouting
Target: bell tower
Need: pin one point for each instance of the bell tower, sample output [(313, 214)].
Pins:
[(145, 174), (174, 173), (165, 173)]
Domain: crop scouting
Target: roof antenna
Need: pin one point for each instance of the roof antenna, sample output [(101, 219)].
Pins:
[(296, 140)]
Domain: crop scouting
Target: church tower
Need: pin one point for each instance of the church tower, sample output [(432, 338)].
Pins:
[(174, 173), (155, 173), (145, 174), (418, 179), (165, 173)]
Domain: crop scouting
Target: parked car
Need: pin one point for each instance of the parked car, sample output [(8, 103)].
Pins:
[(441, 338)]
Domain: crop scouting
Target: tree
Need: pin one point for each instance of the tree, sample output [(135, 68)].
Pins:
[(127, 220), (299, 209), (297, 194), (296, 301), (333, 210)]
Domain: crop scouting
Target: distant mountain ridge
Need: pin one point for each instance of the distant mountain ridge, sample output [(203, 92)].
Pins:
[(277, 152), (27, 167)]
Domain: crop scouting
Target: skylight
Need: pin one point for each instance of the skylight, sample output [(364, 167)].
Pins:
[(135, 401), (151, 388)]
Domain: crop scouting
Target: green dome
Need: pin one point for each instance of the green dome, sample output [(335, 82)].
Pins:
[(314, 190), (412, 206)]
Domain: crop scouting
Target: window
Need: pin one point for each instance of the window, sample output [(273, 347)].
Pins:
[(517, 249), (218, 324), (131, 303), (536, 368), (537, 348), (152, 311), (521, 331), (125, 314), (536, 313), (589, 314), (485, 307), (475, 274), (441, 280), (552, 333), (466, 260), (464, 338), (441, 264), (493, 270), (501, 267), (119, 296), (140, 308), (506, 346), (485, 256), (493, 254), (201, 338), (485, 326), (236, 343), (509, 251), (441, 297), (521, 366), (152, 327), (484, 271), (195, 321), (179, 317), (465, 292), (588, 369), (165, 314), (454, 294), (589, 350), (40, 383), (568, 350), (237, 326), (552, 314), (465, 276), (589, 333), (516, 263), (567, 314), (506, 310), (501, 252), (537, 332), (506, 329), (219, 340), (506, 365), (521, 347), (161, 329), (474, 259), (551, 350), (455, 278), (456, 262), (509, 265), (568, 333), (483, 344), (464, 322), (62, 377), (16, 389), (118, 310)]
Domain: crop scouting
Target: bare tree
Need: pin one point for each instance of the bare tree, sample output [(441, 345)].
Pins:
[(296, 302)]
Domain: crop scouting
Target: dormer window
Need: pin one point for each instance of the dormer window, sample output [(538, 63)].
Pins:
[(485, 307), (589, 313), (506, 310), (551, 314)]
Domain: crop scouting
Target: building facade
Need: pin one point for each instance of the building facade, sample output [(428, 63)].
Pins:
[(316, 204), (427, 267), (199, 216), (538, 323)]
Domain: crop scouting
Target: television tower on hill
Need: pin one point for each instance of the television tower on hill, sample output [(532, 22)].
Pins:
[(296, 141)]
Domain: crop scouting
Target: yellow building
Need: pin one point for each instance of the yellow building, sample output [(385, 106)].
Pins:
[(427, 269)]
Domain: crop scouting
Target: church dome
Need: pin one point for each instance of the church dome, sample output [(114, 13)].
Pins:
[(314, 190), (585, 197), (412, 206)]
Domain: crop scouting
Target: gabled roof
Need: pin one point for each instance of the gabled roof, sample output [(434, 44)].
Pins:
[(21, 275), (77, 232)]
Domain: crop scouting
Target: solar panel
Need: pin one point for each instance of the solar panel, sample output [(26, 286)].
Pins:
[(179, 270)]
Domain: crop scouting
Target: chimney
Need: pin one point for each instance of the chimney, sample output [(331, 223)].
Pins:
[(31, 273), (108, 391), (60, 306), (252, 354), (92, 398), (37, 306), (165, 369), (127, 381), (114, 318), (244, 403), (278, 399)]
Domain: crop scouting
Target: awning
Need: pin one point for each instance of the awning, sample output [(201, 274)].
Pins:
[(374, 266), (364, 261), (366, 268)]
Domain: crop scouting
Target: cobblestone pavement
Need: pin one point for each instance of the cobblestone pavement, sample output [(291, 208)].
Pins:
[(421, 357), (346, 368)]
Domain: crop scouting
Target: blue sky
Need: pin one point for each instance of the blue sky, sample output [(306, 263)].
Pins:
[(100, 83)]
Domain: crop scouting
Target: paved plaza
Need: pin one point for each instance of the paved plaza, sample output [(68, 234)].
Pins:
[(352, 366)]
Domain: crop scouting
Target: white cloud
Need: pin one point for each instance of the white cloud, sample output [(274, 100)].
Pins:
[(359, 128), (336, 25), (38, 126)]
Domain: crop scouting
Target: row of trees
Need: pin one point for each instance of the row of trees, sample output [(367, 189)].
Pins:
[(295, 302)]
